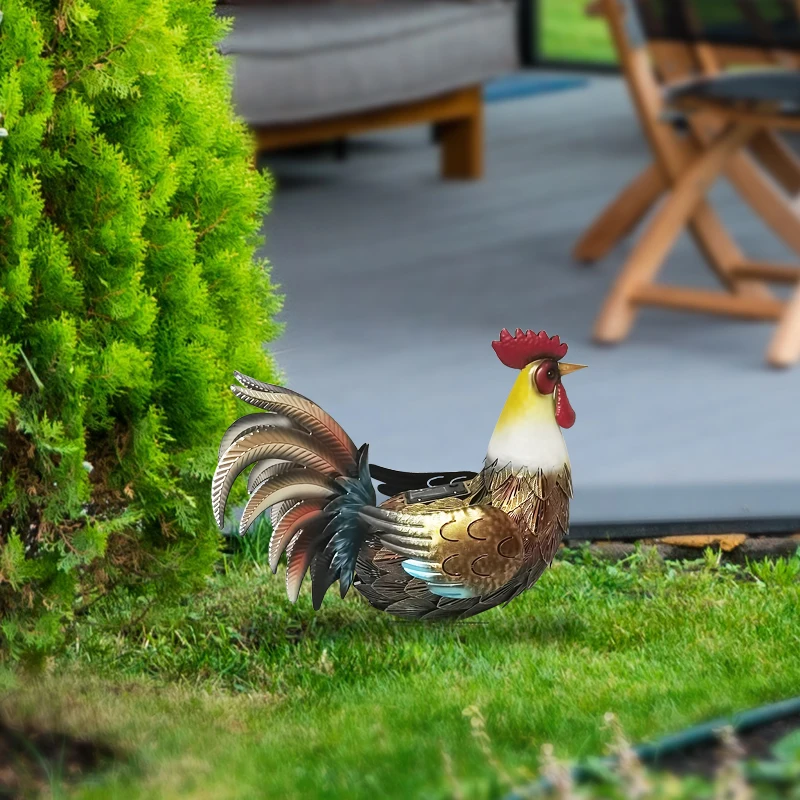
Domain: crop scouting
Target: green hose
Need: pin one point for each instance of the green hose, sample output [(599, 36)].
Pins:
[(705, 733)]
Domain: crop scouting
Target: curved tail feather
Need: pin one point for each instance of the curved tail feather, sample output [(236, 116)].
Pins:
[(278, 510), (294, 484), (323, 576), (252, 383), (309, 416), (307, 470), (248, 424), (286, 444), (264, 469), (294, 520), (302, 550)]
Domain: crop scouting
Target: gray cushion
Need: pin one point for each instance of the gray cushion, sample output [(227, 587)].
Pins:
[(301, 62)]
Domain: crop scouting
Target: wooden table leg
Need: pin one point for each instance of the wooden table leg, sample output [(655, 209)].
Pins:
[(687, 196), (621, 216)]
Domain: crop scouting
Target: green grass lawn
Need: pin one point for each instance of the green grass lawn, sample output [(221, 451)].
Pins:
[(567, 34), (239, 694)]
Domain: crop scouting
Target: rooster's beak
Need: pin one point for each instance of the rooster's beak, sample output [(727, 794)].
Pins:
[(565, 369)]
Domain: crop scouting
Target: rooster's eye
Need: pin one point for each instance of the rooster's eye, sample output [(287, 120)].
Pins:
[(546, 377)]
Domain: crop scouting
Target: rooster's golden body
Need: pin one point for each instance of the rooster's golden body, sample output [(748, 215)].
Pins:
[(429, 552)]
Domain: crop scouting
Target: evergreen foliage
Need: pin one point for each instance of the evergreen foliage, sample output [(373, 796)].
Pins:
[(129, 291)]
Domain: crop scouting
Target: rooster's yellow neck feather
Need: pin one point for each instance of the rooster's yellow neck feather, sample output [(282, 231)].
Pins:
[(527, 434)]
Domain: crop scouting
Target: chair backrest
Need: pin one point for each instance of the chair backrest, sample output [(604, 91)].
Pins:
[(771, 24)]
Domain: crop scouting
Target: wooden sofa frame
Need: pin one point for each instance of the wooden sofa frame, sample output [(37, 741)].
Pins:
[(458, 117)]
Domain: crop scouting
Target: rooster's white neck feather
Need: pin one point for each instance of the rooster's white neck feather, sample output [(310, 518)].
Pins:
[(532, 447)]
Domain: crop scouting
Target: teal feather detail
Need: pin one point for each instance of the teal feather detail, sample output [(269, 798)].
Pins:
[(344, 533), (452, 592), (438, 583), (423, 570)]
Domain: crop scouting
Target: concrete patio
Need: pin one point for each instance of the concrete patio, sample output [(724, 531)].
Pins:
[(396, 283)]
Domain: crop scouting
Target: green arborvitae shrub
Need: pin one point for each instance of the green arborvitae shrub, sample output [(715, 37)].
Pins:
[(129, 291)]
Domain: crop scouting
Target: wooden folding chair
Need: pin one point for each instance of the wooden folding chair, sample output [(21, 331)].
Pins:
[(674, 62), (725, 115)]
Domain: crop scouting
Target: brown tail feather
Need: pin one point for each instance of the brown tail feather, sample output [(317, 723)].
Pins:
[(308, 415), (299, 554), (298, 516)]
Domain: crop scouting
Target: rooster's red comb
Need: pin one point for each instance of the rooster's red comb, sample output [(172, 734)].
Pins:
[(519, 350)]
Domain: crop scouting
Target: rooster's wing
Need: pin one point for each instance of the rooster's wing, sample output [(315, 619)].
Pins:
[(462, 552)]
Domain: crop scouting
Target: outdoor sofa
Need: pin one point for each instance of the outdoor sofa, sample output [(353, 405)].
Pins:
[(315, 71)]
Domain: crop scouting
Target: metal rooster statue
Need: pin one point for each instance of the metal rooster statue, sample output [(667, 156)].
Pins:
[(445, 545)]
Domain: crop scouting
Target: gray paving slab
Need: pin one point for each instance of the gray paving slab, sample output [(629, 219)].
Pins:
[(396, 283)]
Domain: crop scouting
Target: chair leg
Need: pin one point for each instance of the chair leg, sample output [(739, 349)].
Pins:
[(619, 309), (621, 216), (768, 203), (715, 243), (778, 159), (723, 254), (747, 176), (712, 238), (784, 349), (462, 144), (635, 201)]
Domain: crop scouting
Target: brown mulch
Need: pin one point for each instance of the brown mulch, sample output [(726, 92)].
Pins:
[(679, 548), (33, 760)]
